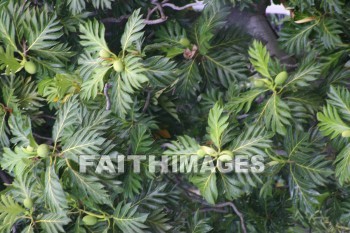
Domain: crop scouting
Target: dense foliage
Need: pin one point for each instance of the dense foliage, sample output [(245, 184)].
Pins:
[(132, 77)]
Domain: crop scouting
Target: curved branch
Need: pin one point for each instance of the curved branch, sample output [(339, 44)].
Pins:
[(179, 8)]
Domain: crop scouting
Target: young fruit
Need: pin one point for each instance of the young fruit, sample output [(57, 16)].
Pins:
[(184, 42), (118, 65), (28, 203), (208, 150), (281, 78), (258, 83), (201, 153), (225, 158), (30, 149), (346, 133), (30, 67), (104, 54), (43, 150), (89, 220)]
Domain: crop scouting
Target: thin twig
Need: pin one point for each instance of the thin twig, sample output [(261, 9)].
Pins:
[(105, 92), (155, 21), (239, 214), (179, 8), (4, 177), (42, 137), (210, 209), (148, 20), (194, 196), (148, 100)]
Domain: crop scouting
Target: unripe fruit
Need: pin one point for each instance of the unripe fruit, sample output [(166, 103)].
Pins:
[(208, 150), (346, 133), (227, 152), (43, 150), (281, 78), (104, 54), (184, 42), (225, 158), (30, 67), (30, 149), (201, 153), (118, 66), (28, 203), (258, 83), (89, 220)]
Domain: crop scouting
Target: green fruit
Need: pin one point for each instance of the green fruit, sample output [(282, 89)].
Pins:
[(258, 83), (89, 220), (281, 78), (28, 203), (30, 67), (346, 133), (43, 150), (208, 150), (184, 42), (30, 149), (201, 153), (227, 152), (225, 158), (104, 54), (118, 65)]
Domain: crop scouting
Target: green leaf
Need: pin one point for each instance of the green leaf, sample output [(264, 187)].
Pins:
[(330, 123), (83, 142), (190, 78), (94, 85), (141, 139), (244, 100), (41, 31), (8, 61), (218, 122), (126, 84), (53, 222), (259, 57), (339, 97), (295, 38), (307, 73), (276, 114), (7, 29), (225, 66), (199, 225), (87, 186), (76, 6), (254, 140), (160, 71), (54, 194), (168, 106), (15, 161), (93, 36), (133, 30), (330, 31), (10, 212), (21, 130), (66, 118), (206, 183), (128, 220), (342, 169), (213, 18), (184, 146)]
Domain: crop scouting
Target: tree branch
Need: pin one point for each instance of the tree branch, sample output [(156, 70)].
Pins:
[(105, 92), (179, 8), (148, 100), (239, 214), (4, 177), (194, 196)]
